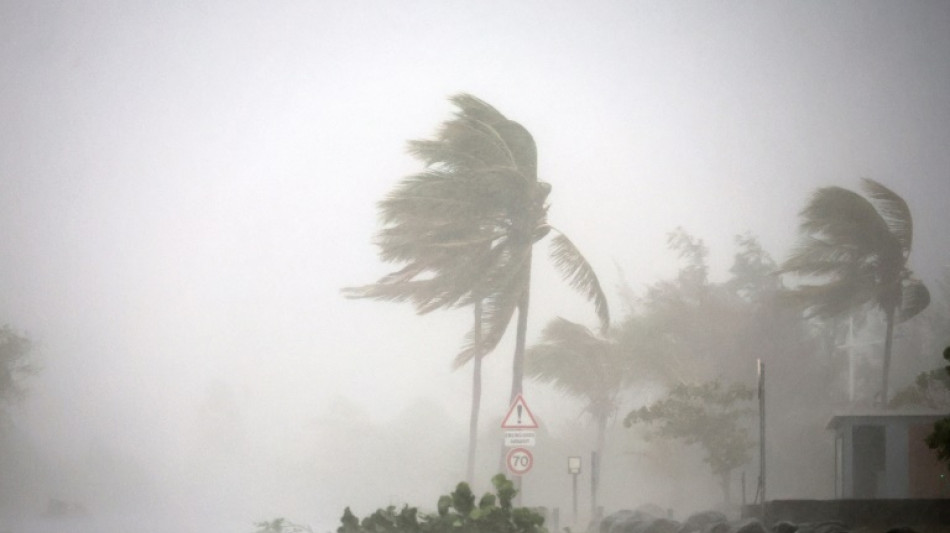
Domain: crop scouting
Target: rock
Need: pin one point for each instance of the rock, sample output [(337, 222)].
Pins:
[(612, 519), (703, 522), (830, 526), (749, 525), (638, 521), (653, 510), (784, 527), (718, 527), (662, 525)]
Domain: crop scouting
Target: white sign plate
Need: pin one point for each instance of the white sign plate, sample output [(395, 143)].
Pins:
[(519, 438), (519, 461)]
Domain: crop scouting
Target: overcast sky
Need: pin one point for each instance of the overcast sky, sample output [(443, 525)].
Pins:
[(185, 187)]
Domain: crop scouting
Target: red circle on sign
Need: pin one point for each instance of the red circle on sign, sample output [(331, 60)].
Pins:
[(519, 461)]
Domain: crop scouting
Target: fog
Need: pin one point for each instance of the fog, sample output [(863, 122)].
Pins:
[(185, 188)]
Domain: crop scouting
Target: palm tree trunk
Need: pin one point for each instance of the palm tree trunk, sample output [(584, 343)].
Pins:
[(888, 344), (476, 393), (724, 483), (596, 468), (517, 370)]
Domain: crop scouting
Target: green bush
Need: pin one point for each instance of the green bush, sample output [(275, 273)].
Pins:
[(456, 513), (279, 525)]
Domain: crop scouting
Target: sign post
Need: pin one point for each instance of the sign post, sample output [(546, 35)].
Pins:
[(519, 425), (574, 468), (760, 490)]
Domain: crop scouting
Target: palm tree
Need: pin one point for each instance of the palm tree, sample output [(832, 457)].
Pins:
[(464, 231), (856, 249), (581, 364)]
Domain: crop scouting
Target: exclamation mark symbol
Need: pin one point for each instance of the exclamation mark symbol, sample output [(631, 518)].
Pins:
[(519, 414)]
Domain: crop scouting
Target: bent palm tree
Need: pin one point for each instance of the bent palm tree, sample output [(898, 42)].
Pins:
[(581, 364), (464, 229), (858, 249)]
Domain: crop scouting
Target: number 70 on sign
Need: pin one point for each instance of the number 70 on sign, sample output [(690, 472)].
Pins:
[(519, 461)]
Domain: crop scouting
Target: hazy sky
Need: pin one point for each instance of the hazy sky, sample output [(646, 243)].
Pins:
[(186, 186)]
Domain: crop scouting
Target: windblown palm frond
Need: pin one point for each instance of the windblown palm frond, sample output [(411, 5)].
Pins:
[(575, 360), (583, 365), (893, 209), (504, 288), (856, 249), (577, 271), (915, 298)]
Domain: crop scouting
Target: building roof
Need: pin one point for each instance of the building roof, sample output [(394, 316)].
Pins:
[(885, 418)]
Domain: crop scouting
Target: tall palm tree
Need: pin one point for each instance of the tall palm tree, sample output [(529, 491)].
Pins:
[(855, 249), (581, 364), (464, 231)]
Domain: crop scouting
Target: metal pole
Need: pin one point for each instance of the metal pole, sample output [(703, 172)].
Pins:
[(761, 488), (594, 473), (743, 489), (575, 498)]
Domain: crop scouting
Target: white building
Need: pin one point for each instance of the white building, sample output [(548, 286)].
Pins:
[(884, 456)]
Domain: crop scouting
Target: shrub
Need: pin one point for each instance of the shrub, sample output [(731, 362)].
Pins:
[(456, 513)]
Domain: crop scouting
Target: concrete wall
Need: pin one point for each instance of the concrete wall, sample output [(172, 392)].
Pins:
[(857, 513)]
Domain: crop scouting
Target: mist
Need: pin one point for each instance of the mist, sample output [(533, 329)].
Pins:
[(185, 188)]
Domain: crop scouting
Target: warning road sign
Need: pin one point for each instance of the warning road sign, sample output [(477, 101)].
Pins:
[(519, 461), (519, 416), (514, 439)]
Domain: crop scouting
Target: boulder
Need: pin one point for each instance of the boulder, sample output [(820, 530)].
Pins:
[(784, 527), (749, 525), (638, 521), (704, 522), (830, 526), (610, 521)]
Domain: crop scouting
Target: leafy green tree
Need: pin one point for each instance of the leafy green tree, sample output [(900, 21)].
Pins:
[(456, 513), (689, 328), (14, 365), (930, 389), (939, 440), (753, 272), (710, 415), (853, 252), (464, 230), (581, 364)]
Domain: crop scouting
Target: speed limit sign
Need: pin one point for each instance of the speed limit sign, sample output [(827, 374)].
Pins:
[(519, 461)]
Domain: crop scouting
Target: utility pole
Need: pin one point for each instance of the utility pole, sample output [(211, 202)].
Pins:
[(760, 490), (594, 475)]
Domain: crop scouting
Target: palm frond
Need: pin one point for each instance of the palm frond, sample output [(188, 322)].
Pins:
[(473, 107), (479, 139), (835, 298), (523, 150), (580, 275), (894, 211), (915, 298), (842, 217), (516, 138), (812, 256), (854, 246), (443, 154), (501, 292), (578, 363)]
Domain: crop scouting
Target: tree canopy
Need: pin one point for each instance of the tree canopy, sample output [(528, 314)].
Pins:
[(711, 415), (853, 252)]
